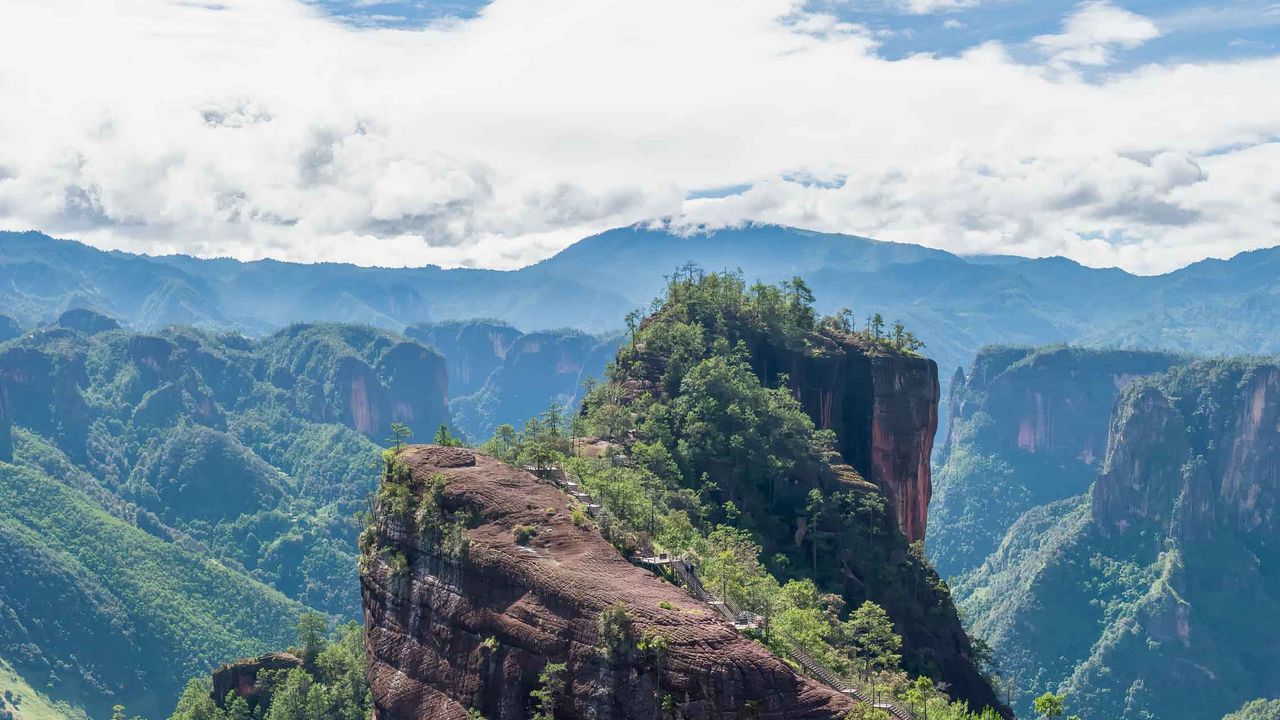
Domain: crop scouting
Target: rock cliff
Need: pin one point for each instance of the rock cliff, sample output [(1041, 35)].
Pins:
[(1028, 426), (883, 407), (1153, 595), (534, 371), (363, 378), (474, 349), (1195, 456), (471, 622)]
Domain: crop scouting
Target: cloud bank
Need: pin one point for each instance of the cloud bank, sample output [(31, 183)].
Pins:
[(262, 128)]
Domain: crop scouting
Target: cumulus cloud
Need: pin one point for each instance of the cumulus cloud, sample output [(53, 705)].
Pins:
[(1093, 32), (262, 128)]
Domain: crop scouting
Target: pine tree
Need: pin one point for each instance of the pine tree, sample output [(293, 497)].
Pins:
[(872, 639)]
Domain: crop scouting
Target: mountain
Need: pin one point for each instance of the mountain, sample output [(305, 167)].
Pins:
[(955, 304), (499, 375), (1153, 594), (176, 499), (1028, 427)]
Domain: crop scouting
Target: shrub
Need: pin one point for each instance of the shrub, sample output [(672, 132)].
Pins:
[(523, 533), (617, 637)]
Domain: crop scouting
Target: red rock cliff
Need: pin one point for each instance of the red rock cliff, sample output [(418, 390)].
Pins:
[(1196, 454), (883, 409), (904, 423), (473, 629)]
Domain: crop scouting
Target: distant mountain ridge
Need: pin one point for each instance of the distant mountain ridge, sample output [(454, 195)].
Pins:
[(955, 304)]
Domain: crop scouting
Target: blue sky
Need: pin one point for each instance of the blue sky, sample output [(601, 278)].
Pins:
[(1126, 133), (1193, 30)]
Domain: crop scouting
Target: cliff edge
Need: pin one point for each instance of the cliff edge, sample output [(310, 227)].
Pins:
[(477, 580)]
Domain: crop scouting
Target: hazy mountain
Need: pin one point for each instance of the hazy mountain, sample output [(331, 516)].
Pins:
[(955, 304)]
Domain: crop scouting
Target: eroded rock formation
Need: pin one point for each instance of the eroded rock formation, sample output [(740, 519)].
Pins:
[(452, 630), (1194, 462), (883, 407), (241, 676), (1028, 426)]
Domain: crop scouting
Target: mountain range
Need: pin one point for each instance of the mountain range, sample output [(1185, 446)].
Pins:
[(955, 304)]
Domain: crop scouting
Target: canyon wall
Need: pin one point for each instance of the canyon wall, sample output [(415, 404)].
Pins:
[(1195, 460), (1154, 594), (1028, 426)]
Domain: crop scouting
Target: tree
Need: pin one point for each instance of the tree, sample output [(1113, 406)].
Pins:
[(196, 702), (399, 433), (446, 438), (872, 639), (899, 334), (1050, 706), (550, 686), (289, 701), (312, 629), (876, 325), (817, 508), (617, 637)]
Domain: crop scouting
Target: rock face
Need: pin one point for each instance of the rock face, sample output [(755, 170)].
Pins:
[(1155, 594), (363, 378), (241, 676), (904, 423), (536, 370), (474, 349), (475, 628), (1195, 464), (1028, 427), (883, 409)]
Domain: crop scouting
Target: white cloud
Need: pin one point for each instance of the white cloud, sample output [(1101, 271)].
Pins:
[(265, 129), (925, 7), (1093, 32)]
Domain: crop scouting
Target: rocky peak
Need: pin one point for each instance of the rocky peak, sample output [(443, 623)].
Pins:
[(459, 625), (1195, 452)]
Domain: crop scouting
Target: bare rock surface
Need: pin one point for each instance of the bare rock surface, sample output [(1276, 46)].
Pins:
[(476, 630)]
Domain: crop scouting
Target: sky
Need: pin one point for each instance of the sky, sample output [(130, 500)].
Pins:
[(1138, 134)]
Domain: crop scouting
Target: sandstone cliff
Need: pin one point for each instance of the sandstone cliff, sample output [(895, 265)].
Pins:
[(1153, 595), (534, 371), (474, 349), (883, 407), (1195, 456), (1028, 426), (363, 378), (452, 626)]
